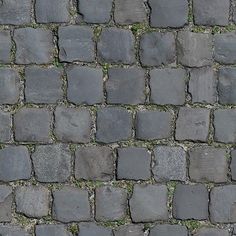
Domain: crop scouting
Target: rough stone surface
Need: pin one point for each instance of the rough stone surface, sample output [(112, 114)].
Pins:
[(91, 229), (130, 230), (51, 230), (5, 126), (169, 230), (6, 199), (233, 164), (12, 230), (5, 46), (211, 232)]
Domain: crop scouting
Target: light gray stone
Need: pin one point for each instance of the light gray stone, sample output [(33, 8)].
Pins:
[(169, 230), (6, 199), (5, 126), (129, 230), (92, 229), (207, 231), (51, 230), (233, 164), (5, 46), (12, 230)]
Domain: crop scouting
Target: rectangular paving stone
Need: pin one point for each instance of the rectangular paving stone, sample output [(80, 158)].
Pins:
[(205, 231), (130, 230), (169, 230), (5, 126), (5, 46), (92, 229), (6, 201), (51, 230), (12, 230), (233, 164)]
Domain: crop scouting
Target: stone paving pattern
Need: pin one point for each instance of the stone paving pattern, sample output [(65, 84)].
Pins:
[(117, 117)]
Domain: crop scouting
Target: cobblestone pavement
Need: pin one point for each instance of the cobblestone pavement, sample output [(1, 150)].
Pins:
[(117, 118)]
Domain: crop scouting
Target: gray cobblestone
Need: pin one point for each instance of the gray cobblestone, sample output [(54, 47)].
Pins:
[(5, 46), (91, 229), (6, 200), (130, 230), (211, 232), (233, 164), (51, 230), (12, 230), (5, 126), (169, 230)]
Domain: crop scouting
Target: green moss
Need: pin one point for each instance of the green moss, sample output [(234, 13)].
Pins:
[(97, 32), (88, 184), (105, 68), (57, 63), (192, 224), (73, 147), (140, 28), (22, 220), (199, 29), (73, 228), (114, 224)]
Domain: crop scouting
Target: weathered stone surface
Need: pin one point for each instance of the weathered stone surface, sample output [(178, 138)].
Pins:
[(91, 229), (6, 198), (169, 163), (32, 201), (5, 46), (133, 163), (94, 163), (171, 13), (116, 46), (110, 203), (43, 85), (85, 85), (126, 86), (76, 43), (153, 125), (233, 164), (192, 124), (149, 203), (194, 49), (5, 126), (169, 230), (167, 86), (33, 46), (129, 230), (52, 163), (15, 163), (51, 230), (113, 124), (157, 49), (208, 164), (72, 124), (205, 231), (32, 125), (190, 202), (12, 230), (71, 204)]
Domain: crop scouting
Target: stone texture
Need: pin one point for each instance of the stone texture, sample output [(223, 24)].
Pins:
[(169, 163), (72, 124), (71, 204), (113, 124), (51, 230), (126, 86), (110, 203), (161, 10), (76, 43), (194, 49), (15, 163), (6, 199), (167, 86), (207, 231), (169, 230), (153, 125), (133, 163), (190, 202), (32, 201), (202, 85), (12, 230), (52, 163), (85, 85), (32, 125), (157, 49), (43, 85), (192, 124), (233, 164), (211, 12), (116, 46), (208, 164), (5, 46), (5, 126), (149, 203), (92, 229), (53, 11), (33, 46), (94, 163), (129, 230)]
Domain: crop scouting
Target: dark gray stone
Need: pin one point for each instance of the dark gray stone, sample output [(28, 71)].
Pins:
[(157, 49), (15, 12), (222, 205), (110, 203), (95, 11), (43, 85), (149, 203), (233, 164), (91, 229), (51, 230), (116, 46), (194, 49), (85, 85), (5, 46), (169, 230), (72, 124), (202, 85), (53, 11), (227, 86), (208, 164), (126, 86), (153, 125), (133, 163), (225, 125), (211, 12), (129, 230), (32, 125), (76, 43), (94, 163), (129, 12), (52, 163), (71, 204), (190, 202), (192, 124), (9, 86), (32, 201), (12, 230), (169, 163), (113, 124), (6, 198), (168, 86), (171, 13), (207, 231), (33, 46), (5, 126), (15, 163), (225, 48)]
